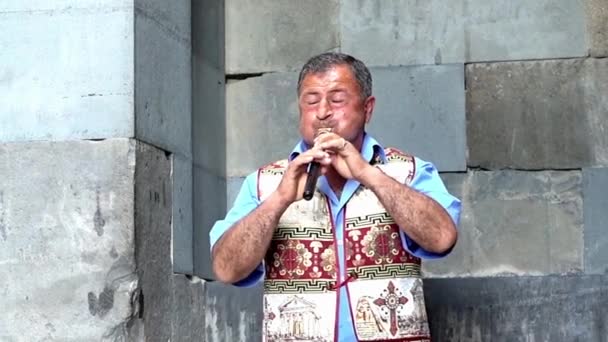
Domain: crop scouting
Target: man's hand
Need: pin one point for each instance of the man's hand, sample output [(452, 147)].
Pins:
[(345, 158), (292, 184)]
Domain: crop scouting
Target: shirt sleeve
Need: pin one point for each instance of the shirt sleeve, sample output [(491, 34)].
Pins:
[(245, 202), (427, 181)]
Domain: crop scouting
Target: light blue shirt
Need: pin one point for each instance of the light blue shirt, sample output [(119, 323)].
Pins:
[(426, 180)]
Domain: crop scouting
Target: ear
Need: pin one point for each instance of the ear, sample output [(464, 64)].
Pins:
[(368, 108)]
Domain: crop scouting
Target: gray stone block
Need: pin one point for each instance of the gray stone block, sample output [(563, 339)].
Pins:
[(515, 222), (189, 313), (595, 183), (173, 304), (66, 70), (538, 115), (67, 240), (233, 188), (403, 32), (182, 222), (518, 309), (208, 32), (421, 110), (597, 27), (163, 75), (209, 205), (262, 121), (153, 211), (233, 314), (208, 86), (209, 118), (271, 35)]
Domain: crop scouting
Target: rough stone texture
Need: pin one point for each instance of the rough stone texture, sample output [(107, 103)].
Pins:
[(41, 42), (262, 116), (163, 74), (209, 194), (272, 35), (595, 183), (597, 27), (242, 323), (67, 240), (404, 32), (172, 305), (181, 176), (538, 115), (518, 309), (515, 222), (415, 105)]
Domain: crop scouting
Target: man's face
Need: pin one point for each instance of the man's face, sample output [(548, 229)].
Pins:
[(332, 99)]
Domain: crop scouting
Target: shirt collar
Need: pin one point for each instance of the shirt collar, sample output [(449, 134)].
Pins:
[(371, 150)]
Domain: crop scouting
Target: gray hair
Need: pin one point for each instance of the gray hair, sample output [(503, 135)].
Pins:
[(325, 61)]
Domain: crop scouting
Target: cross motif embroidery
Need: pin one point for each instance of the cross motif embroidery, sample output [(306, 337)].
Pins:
[(391, 300)]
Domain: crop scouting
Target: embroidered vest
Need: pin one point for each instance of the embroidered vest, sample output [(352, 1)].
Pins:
[(301, 288)]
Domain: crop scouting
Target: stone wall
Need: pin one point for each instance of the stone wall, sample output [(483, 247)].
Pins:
[(508, 99), (94, 95)]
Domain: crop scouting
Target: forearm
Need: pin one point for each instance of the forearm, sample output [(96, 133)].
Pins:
[(241, 249), (423, 219)]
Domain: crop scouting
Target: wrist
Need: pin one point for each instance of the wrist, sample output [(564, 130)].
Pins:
[(368, 176), (277, 200)]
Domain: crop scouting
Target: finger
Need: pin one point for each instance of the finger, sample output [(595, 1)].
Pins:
[(315, 154), (335, 144)]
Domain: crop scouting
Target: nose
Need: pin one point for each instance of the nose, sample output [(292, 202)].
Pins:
[(324, 111)]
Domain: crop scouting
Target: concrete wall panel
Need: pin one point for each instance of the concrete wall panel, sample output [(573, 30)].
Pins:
[(405, 32), (67, 238), (597, 27), (515, 222), (209, 206), (518, 309), (421, 110), (595, 183), (261, 121), (163, 75), (538, 115), (242, 323), (64, 66), (182, 223), (271, 35)]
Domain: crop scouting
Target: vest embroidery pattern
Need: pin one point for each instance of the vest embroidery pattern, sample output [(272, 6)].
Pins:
[(382, 279)]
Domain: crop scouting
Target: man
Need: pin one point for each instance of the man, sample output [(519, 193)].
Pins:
[(345, 265)]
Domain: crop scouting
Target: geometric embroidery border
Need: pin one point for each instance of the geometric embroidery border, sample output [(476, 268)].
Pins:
[(386, 271), (296, 286)]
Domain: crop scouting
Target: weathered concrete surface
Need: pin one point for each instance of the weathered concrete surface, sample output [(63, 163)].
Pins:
[(181, 222), (242, 323), (415, 105), (63, 63), (404, 32), (595, 199), (209, 205), (597, 27), (538, 115), (262, 116), (514, 222), (518, 309), (163, 74), (172, 305), (67, 265), (269, 35)]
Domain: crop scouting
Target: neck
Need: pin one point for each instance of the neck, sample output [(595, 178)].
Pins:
[(336, 182)]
